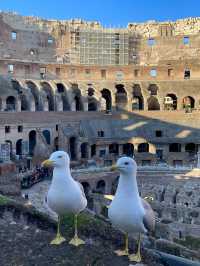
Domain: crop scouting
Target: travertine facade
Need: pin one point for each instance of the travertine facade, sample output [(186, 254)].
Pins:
[(136, 89)]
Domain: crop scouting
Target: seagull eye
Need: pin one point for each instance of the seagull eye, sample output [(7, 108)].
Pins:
[(60, 156), (126, 163)]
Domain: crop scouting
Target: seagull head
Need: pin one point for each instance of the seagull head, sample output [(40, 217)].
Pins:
[(57, 159), (125, 165)]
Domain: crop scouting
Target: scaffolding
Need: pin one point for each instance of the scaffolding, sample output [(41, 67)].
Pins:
[(99, 46)]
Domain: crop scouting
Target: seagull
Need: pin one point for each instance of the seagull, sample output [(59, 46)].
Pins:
[(65, 195), (127, 211)]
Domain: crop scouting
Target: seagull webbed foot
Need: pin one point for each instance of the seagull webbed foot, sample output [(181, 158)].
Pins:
[(58, 240), (76, 241), (121, 252), (135, 257)]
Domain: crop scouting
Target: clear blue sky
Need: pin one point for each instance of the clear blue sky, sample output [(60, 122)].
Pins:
[(108, 12)]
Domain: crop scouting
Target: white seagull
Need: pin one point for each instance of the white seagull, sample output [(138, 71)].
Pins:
[(65, 195), (128, 212)]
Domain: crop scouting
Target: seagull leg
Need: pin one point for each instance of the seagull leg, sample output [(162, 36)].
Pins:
[(76, 241), (59, 239), (124, 252), (136, 257)]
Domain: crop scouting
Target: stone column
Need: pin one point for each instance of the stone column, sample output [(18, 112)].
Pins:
[(198, 159), (3, 105), (120, 149), (18, 105), (128, 89), (113, 101), (32, 105)]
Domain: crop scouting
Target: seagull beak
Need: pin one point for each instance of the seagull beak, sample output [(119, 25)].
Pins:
[(113, 168), (47, 163)]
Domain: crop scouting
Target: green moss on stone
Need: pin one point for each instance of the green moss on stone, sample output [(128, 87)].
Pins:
[(189, 242), (4, 200)]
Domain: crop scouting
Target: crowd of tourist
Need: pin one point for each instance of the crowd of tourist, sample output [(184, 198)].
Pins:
[(30, 177)]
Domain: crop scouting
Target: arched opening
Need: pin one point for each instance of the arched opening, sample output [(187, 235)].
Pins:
[(153, 104), (11, 103), (175, 147), (35, 92), (73, 148), (101, 187), (86, 187), (84, 150), (1, 104), (93, 150), (188, 102), (61, 90), (9, 142), (106, 94), (138, 100), (32, 141), (153, 89), (56, 144), (128, 149), (16, 86), (19, 147), (170, 102), (191, 148), (49, 93), (121, 97), (24, 103), (77, 98), (114, 148), (114, 185), (47, 135), (143, 147)]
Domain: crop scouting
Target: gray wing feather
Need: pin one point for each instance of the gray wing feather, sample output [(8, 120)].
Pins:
[(82, 189), (149, 217)]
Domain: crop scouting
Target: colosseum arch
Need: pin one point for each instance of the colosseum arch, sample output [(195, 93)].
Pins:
[(143, 147), (1, 105), (138, 100), (86, 187), (73, 148), (101, 187), (153, 89), (32, 141), (191, 147), (121, 97), (106, 94), (50, 95), (10, 103), (128, 149), (25, 105), (153, 103), (19, 146), (84, 150), (188, 101), (61, 89), (173, 105), (77, 98), (174, 147), (36, 94), (47, 135)]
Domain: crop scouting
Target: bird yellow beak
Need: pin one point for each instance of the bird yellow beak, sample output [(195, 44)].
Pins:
[(47, 163), (113, 168)]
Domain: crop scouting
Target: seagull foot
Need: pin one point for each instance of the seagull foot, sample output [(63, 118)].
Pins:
[(75, 241), (121, 252), (135, 257), (58, 240)]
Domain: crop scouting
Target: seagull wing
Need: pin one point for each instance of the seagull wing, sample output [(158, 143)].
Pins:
[(82, 189), (149, 217)]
